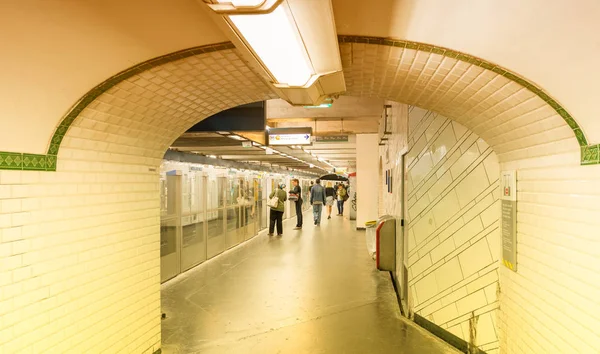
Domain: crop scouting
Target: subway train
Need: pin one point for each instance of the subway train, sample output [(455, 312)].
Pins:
[(207, 209)]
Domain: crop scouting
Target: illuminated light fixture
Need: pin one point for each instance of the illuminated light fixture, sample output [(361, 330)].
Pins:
[(236, 137), (293, 43), (322, 105), (212, 156), (224, 133), (326, 104)]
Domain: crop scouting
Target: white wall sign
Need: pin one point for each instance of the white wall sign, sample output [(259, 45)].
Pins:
[(289, 139), (508, 183), (290, 136)]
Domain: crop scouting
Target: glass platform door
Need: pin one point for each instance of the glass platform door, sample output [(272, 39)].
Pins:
[(170, 226), (193, 220)]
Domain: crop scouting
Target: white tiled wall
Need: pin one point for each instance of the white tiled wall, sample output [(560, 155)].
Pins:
[(79, 248), (551, 304), (452, 216)]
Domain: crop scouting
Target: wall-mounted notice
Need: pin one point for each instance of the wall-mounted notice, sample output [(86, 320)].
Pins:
[(508, 183)]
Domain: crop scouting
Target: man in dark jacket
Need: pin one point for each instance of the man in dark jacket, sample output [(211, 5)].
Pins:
[(297, 191), (317, 199)]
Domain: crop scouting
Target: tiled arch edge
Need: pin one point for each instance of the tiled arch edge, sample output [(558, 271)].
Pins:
[(590, 154)]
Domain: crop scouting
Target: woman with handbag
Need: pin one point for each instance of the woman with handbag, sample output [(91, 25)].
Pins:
[(277, 205)]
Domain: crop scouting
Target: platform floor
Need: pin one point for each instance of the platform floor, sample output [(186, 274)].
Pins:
[(310, 291)]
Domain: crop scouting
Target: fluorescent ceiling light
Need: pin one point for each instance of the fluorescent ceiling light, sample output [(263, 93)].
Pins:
[(322, 105), (236, 137), (293, 41), (274, 37), (224, 133), (212, 156), (242, 3)]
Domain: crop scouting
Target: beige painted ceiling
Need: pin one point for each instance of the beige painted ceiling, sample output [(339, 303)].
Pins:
[(50, 66)]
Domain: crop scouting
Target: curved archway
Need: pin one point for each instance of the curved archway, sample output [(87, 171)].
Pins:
[(111, 141), (502, 107)]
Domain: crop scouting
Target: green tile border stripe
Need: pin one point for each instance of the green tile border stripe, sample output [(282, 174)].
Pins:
[(48, 162), (33, 162), (589, 153), (89, 97)]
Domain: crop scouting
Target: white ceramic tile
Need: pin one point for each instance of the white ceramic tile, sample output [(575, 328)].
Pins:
[(491, 214), (440, 186), (423, 228), (426, 288), (442, 250), (448, 274), (465, 159), (445, 314), (420, 265), (486, 332), (444, 142), (467, 232), (471, 302), (457, 331), (472, 185), (446, 208), (421, 169), (474, 258)]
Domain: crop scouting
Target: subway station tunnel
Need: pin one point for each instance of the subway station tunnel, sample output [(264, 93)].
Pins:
[(442, 102)]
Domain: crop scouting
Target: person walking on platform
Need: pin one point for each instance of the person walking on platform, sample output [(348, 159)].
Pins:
[(317, 199), (276, 213), (341, 198), (329, 198), (296, 195)]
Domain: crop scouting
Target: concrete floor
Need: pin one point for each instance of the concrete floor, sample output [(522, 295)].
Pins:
[(310, 291)]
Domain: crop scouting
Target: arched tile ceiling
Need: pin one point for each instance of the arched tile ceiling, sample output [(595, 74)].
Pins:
[(141, 110)]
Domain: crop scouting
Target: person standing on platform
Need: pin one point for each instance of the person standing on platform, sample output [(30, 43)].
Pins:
[(296, 194), (317, 199), (276, 213), (341, 198), (329, 198)]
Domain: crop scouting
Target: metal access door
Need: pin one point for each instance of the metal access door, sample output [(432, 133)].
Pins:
[(170, 226)]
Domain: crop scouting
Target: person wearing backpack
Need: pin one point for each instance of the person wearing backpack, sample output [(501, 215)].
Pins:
[(342, 196), (317, 199), (277, 205)]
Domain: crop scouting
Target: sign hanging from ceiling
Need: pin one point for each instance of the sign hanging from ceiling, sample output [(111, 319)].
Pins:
[(331, 138), (289, 136)]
